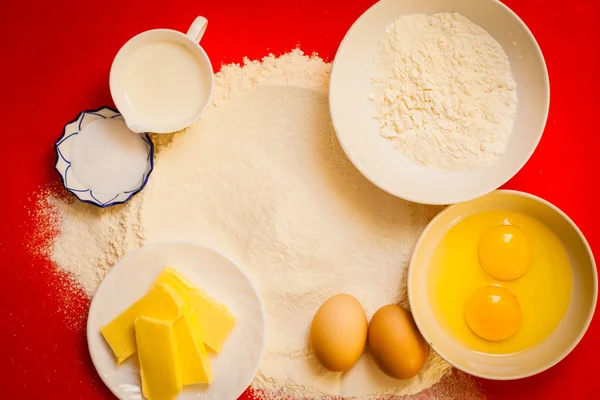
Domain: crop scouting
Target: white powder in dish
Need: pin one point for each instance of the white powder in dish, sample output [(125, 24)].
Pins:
[(108, 158), (263, 179), (443, 91)]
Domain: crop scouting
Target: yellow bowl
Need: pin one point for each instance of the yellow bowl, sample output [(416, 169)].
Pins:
[(566, 335)]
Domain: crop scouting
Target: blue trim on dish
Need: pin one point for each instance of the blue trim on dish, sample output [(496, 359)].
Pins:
[(93, 113), (66, 170), (77, 190), (98, 201), (107, 202), (65, 138), (71, 189), (59, 156), (112, 198), (80, 121), (131, 191), (61, 139)]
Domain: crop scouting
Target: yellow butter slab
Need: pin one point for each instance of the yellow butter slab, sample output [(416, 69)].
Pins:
[(174, 278), (183, 285), (215, 320), (162, 302), (195, 365), (160, 367)]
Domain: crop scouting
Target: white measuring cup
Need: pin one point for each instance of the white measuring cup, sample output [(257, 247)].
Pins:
[(161, 80)]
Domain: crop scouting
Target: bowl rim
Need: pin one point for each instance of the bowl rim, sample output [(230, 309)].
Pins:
[(590, 312), (59, 155), (438, 199)]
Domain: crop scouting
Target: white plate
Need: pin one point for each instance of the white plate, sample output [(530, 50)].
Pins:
[(377, 158), (233, 369)]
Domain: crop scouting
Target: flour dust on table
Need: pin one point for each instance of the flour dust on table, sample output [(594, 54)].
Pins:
[(262, 178)]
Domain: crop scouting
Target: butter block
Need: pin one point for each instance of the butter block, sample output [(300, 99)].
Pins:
[(215, 322), (174, 278), (195, 364), (214, 319), (180, 283), (162, 302), (160, 367)]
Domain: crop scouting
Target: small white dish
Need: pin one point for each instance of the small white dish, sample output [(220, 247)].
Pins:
[(236, 365), (162, 80), (553, 348), (377, 158), (70, 180)]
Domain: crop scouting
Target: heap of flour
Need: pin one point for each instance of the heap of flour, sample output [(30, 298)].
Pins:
[(443, 91), (262, 178)]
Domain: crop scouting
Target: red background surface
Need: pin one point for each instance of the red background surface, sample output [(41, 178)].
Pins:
[(56, 58)]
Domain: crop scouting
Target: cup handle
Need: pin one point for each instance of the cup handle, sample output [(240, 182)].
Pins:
[(197, 29)]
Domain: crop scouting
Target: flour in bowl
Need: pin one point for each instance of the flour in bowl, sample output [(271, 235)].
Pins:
[(443, 91)]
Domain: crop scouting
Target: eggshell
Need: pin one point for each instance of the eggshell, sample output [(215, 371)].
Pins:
[(339, 332), (395, 342)]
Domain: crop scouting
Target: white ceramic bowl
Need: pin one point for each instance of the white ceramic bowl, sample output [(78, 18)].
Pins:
[(69, 179), (566, 335), (376, 157), (118, 75)]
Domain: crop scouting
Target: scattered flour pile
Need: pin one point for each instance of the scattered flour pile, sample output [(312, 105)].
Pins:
[(263, 179), (443, 91)]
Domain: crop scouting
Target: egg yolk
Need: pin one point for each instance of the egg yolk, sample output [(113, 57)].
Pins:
[(505, 252), (493, 313)]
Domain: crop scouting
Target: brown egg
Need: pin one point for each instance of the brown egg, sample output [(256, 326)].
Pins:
[(339, 332), (395, 342)]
